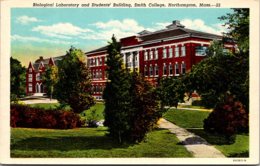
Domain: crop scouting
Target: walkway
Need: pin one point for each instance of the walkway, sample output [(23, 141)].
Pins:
[(196, 145), (37, 100)]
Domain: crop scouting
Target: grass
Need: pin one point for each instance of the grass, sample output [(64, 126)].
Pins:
[(90, 142), (96, 112), (193, 121), (186, 118), (45, 105), (191, 106)]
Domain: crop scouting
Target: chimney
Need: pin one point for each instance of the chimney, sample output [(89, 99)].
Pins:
[(175, 24)]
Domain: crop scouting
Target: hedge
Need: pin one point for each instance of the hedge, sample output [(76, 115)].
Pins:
[(25, 116)]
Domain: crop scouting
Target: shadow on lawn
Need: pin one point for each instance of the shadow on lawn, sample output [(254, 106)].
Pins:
[(211, 138), (68, 143)]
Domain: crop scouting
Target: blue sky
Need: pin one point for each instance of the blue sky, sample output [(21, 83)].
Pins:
[(49, 32)]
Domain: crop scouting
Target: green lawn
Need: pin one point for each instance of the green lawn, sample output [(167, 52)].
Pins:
[(186, 118), (193, 121), (90, 142), (45, 105)]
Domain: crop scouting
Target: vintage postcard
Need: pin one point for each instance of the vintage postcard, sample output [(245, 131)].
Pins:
[(129, 82)]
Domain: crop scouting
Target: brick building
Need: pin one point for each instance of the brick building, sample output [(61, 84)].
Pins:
[(164, 53), (168, 52), (34, 84)]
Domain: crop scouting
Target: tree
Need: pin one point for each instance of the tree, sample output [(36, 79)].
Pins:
[(18, 79), (145, 110), (216, 75), (50, 79), (74, 83), (238, 25), (116, 94), (171, 91)]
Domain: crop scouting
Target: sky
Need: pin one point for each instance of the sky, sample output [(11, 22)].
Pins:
[(50, 32)]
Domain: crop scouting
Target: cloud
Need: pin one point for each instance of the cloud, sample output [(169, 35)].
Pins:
[(26, 20), (200, 25), (61, 30), (39, 40), (121, 28)]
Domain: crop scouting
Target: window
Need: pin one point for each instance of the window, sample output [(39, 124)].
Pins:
[(170, 52), (94, 74), (183, 51), (164, 53), (97, 61), (135, 60), (94, 61), (100, 61), (30, 77), (38, 77), (164, 69), (151, 70), (30, 87), (176, 51), (170, 69), (145, 71), (200, 51), (177, 69), (151, 55), (156, 70), (145, 55), (183, 68), (155, 54), (30, 70)]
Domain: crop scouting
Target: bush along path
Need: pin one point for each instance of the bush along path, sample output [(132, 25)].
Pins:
[(196, 145)]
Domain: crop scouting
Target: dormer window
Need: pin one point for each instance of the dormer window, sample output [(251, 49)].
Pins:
[(30, 70)]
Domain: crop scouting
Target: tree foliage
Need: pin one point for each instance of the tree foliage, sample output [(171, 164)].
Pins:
[(18, 78), (50, 79), (131, 105), (171, 90), (213, 77), (238, 25), (116, 94), (228, 117), (145, 108), (74, 83)]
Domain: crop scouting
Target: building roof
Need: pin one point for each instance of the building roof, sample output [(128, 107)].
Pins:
[(98, 50), (176, 29), (45, 62)]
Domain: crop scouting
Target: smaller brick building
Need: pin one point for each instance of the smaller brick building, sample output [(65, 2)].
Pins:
[(34, 84)]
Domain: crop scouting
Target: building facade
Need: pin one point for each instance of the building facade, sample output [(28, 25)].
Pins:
[(34, 83), (165, 53), (169, 52)]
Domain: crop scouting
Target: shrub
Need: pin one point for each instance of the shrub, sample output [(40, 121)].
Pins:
[(145, 109), (25, 116), (228, 118)]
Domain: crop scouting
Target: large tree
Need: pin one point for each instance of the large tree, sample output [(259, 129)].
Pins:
[(74, 83), (18, 78), (238, 24), (50, 79), (116, 94)]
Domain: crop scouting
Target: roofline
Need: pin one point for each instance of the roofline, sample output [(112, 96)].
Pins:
[(93, 52)]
